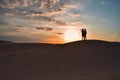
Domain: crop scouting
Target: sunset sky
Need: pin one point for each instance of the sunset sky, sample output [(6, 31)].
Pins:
[(59, 21)]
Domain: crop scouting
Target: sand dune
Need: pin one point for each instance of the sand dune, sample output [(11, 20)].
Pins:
[(81, 60), (2, 41)]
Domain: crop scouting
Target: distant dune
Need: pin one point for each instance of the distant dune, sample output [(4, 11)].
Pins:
[(2, 41), (81, 60)]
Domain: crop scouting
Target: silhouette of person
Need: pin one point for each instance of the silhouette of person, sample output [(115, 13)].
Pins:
[(84, 32)]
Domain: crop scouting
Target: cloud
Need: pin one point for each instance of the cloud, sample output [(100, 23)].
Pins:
[(26, 34), (76, 24), (25, 3), (73, 15), (49, 11), (44, 28), (3, 22), (38, 7), (20, 26), (40, 28), (9, 14), (43, 18), (48, 29), (69, 6), (60, 33), (47, 14), (10, 4), (102, 2), (19, 31)]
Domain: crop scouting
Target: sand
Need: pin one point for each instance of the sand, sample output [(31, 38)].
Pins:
[(81, 60)]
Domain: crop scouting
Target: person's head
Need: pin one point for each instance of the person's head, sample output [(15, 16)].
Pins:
[(85, 29)]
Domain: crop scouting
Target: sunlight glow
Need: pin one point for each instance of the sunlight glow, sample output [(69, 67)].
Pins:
[(71, 35)]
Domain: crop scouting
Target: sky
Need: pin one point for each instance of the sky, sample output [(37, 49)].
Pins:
[(59, 21)]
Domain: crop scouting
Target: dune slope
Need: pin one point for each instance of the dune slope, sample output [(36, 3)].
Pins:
[(82, 60)]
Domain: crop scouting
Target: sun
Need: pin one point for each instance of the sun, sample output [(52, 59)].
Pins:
[(71, 35)]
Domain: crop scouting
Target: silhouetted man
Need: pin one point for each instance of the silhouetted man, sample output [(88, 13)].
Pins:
[(84, 32)]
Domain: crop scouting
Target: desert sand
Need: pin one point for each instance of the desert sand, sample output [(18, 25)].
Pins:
[(81, 60)]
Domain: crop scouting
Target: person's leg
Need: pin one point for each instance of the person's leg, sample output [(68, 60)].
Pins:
[(86, 37), (82, 37)]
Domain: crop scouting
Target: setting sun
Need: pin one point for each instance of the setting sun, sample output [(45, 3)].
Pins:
[(71, 35)]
